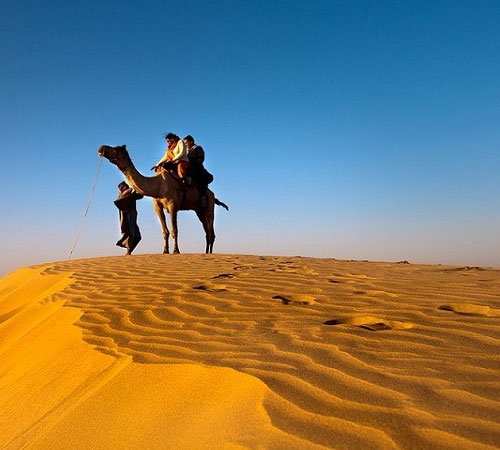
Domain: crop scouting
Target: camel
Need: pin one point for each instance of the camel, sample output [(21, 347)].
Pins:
[(167, 193)]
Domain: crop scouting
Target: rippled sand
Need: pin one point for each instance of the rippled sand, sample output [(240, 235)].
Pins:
[(230, 351)]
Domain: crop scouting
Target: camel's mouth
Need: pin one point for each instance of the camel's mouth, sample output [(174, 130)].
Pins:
[(103, 150), (115, 155)]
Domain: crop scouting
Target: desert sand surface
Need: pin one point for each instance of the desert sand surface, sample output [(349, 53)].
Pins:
[(235, 351)]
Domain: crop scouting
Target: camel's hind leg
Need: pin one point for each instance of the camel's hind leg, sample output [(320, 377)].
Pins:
[(207, 220), (212, 238), (211, 234), (158, 207)]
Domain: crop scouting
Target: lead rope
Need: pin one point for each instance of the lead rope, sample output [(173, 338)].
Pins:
[(86, 210)]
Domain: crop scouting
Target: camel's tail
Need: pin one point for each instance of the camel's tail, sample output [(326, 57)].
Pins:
[(218, 202)]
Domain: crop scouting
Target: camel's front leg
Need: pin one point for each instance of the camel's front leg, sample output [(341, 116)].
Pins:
[(158, 207), (173, 229)]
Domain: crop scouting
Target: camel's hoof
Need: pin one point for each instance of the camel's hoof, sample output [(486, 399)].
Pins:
[(166, 252), (176, 251)]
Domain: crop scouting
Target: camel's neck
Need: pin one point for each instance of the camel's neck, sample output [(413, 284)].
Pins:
[(150, 186)]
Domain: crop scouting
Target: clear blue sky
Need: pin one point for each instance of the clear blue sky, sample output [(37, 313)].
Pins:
[(345, 129)]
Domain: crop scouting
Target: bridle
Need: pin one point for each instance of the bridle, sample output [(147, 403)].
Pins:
[(126, 167)]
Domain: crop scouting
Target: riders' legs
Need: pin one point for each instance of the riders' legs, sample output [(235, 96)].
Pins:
[(183, 169)]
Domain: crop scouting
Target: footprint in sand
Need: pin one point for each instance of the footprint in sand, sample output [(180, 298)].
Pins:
[(379, 293), (466, 271), (359, 292), (307, 271), (290, 269), (301, 299), (464, 268), (223, 275), (352, 279), (243, 267), (211, 288), (294, 269), (371, 323), (468, 309), (360, 276)]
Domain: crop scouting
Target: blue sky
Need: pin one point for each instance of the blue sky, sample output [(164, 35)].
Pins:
[(357, 130)]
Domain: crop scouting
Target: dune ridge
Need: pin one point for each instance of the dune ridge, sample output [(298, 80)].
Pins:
[(45, 366), (334, 354)]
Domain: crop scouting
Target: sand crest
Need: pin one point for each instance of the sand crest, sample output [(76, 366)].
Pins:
[(230, 351)]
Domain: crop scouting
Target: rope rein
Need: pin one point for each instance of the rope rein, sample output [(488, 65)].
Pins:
[(86, 210)]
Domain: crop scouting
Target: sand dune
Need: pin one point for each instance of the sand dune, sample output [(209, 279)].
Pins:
[(230, 351)]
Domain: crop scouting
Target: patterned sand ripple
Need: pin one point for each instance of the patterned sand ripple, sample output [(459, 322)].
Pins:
[(412, 361)]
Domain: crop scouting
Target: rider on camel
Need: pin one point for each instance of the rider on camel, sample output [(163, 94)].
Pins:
[(175, 158)]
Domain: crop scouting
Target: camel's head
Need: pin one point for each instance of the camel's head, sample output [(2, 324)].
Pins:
[(116, 155)]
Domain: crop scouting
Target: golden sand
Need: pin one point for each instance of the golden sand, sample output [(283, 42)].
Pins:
[(232, 352)]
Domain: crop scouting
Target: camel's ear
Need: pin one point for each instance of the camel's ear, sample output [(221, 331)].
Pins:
[(124, 147)]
